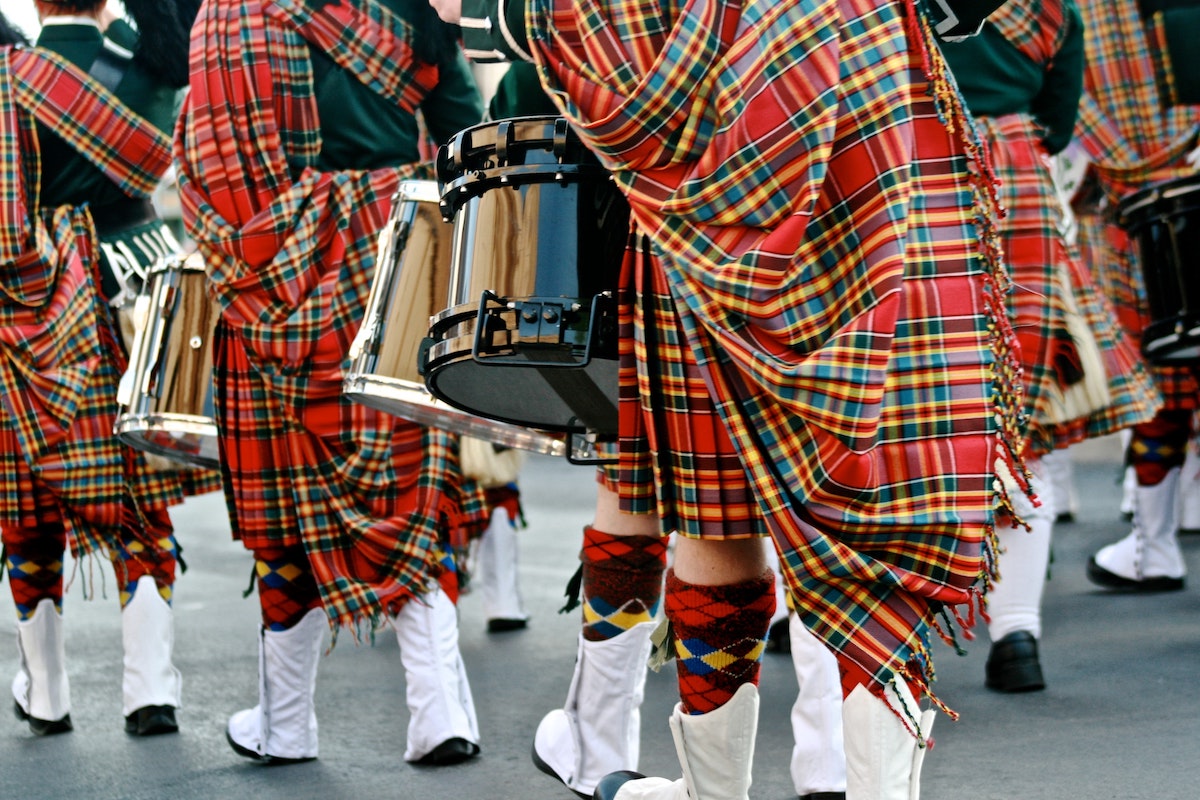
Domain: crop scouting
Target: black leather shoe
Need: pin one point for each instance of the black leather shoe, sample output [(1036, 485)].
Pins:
[(611, 783), (1013, 666), (502, 625), (823, 796), (151, 721), (43, 727), (1110, 580), (451, 751), (779, 638)]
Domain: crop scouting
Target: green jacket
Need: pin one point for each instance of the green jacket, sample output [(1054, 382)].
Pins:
[(363, 130), (67, 177), (996, 79)]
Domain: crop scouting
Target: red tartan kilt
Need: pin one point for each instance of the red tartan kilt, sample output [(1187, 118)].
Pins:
[(676, 456)]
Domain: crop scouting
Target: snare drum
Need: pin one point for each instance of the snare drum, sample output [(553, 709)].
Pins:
[(411, 275), (1164, 221), (529, 335), (167, 393)]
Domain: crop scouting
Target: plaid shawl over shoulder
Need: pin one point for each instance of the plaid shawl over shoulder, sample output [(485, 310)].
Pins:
[(1049, 281), (59, 355), (1134, 139), (290, 252), (802, 171)]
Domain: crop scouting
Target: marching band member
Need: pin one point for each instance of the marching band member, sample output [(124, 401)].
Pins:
[(1137, 123), (78, 192), (299, 125), (1022, 77), (789, 309)]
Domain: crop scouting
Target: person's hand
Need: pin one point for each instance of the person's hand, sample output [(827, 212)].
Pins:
[(449, 10)]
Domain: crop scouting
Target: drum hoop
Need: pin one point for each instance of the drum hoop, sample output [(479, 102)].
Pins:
[(187, 423), (191, 262), (458, 192), (456, 157), (416, 191), (1167, 190), (435, 412)]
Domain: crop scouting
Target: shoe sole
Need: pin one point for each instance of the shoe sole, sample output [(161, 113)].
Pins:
[(42, 727), (549, 770), (1110, 580), (266, 760)]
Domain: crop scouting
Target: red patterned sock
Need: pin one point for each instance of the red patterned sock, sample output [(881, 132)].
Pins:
[(147, 548), (34, 563), (1158, 446), (286, 587), (622, 581), (720, 634)]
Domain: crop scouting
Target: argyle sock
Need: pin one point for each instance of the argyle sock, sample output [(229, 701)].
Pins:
[(34, 563), (622, 581), (286, 587), (1158, 446), (134, 558), (720, 634)]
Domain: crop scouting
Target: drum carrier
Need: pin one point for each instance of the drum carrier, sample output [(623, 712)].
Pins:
[(412, 270), (529, 335)]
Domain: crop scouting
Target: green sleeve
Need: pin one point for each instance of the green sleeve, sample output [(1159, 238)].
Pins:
[(1057, 104), (455, 104), (1183, 36), (520, 94), (494, 30)]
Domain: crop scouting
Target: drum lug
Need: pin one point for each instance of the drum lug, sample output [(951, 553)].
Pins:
[(540, 322)]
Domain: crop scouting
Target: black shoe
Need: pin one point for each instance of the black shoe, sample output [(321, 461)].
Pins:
[(451, 751), (823, 796), (263, 758), (151, 721), (611, 783), (502, 624), (1013, 666), (779, 638), (1110, 580), (43, 727)]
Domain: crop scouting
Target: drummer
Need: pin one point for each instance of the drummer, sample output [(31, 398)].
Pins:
[(1138, 132), (82, 198), (738, 377), (352, 514)]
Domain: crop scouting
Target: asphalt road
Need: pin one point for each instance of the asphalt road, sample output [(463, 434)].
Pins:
[(1120, 717)]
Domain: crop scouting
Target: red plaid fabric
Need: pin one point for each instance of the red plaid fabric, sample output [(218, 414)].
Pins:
[(827, 287), (60, 357), (374, 500), (1135, 139), (1043, 271)]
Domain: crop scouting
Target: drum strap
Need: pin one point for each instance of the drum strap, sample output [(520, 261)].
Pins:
[(110, 66)]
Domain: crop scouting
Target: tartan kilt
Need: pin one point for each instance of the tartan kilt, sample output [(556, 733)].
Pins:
[(377, 502), (59, 376), (1043, 271), (676, 458), (1111, 256)]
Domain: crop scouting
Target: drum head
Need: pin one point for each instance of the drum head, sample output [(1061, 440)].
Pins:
[(554, 398)]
